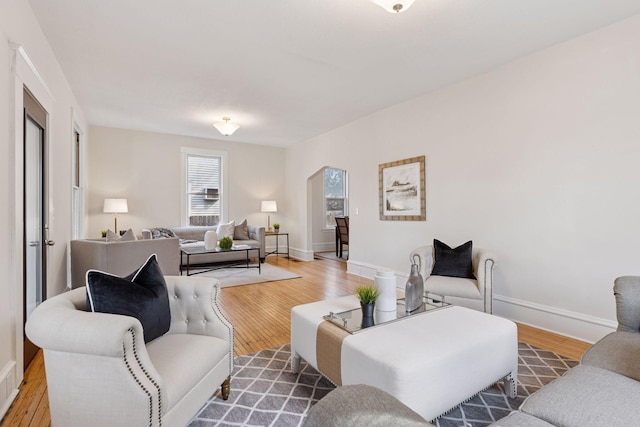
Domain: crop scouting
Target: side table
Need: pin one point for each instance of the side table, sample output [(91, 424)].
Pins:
[(277, 236)]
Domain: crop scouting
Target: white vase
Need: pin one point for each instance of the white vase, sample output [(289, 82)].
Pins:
[(386, 316), (385, 281), (210, 239)]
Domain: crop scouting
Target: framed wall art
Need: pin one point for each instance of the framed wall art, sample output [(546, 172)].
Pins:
[(402, 190)]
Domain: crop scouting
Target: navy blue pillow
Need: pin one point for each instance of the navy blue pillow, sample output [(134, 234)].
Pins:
[(142, 294), (452, 262)]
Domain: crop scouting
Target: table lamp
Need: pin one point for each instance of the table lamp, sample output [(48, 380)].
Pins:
[(115, 206), (269, 206)]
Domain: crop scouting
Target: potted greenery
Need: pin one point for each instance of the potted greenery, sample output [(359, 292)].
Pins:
[(367, 296), (226, 243), (104, 233), (276, 227)]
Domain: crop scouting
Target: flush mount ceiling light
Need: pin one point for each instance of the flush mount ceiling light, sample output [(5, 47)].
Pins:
[(226, 128), (394, 6)]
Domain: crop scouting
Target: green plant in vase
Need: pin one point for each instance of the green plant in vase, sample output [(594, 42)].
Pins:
[(276, 227), (104, 233), (226, 242), (367, 296)]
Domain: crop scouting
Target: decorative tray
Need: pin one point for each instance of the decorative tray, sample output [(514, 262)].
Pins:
[(353, 322)]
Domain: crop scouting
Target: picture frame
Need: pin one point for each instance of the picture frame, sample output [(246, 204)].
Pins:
[(402, 190)]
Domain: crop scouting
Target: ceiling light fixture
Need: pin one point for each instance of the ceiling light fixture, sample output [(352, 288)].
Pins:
[(394, 6), (226, 128)]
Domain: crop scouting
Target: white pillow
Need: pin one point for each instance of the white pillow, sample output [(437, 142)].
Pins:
[(226, 230)]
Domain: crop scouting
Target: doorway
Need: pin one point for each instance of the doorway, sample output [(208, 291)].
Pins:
[(34, 214), (328, 198)]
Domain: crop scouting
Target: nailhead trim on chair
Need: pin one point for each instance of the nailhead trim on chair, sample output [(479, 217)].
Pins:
[(155, 384), (220, 314), (126, 362)]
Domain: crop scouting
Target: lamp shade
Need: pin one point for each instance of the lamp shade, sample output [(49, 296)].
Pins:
[(269, 206), (394, 6), (115, 206), (226, 128)]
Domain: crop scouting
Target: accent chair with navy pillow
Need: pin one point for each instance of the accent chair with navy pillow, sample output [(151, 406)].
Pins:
[(102, 373), (460, 276)]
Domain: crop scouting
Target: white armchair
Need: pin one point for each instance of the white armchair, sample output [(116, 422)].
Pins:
[(472, 293), (101, 373)]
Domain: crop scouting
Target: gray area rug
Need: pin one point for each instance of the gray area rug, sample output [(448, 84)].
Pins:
[(265, 393), (242, 276)]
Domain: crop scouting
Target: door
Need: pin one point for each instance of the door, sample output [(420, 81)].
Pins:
[(34, 221)]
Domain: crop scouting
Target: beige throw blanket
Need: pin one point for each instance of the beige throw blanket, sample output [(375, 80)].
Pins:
[(329, 339)]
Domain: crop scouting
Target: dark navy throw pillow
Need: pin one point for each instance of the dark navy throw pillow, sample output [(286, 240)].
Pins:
[(454, 262), (142, 294)]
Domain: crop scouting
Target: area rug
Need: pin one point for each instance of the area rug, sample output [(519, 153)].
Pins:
[(241, 276), (265, 393)]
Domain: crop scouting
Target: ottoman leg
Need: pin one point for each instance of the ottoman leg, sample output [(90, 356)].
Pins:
[(295, 362), (510, 383), (226, 388)]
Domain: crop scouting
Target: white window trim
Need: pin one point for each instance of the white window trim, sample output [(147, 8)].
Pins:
[(184, 153), (75, 127)]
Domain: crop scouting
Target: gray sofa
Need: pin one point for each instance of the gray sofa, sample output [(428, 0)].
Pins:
[(603, 390), (194, 236), (121, 257)]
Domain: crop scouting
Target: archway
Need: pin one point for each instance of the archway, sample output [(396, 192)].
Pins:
[(327, 197)]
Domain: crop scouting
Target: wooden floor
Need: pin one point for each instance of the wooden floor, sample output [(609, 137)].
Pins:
[(260, 315)]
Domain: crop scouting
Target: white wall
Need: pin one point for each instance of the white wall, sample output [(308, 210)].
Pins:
[(144, 168), (19, 25), (536, 160)]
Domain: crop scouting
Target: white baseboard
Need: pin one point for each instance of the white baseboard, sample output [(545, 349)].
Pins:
[(564, 322), (301, 254), (369, 271), (568, 323), (324, 246), (8, 387)]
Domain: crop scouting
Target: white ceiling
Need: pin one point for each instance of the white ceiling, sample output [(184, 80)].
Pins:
[(288, 70)]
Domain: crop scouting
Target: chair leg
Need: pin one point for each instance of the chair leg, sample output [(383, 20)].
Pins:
[(226, 388)]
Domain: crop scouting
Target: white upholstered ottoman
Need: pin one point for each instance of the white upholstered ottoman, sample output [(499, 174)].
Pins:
[(431, 362)]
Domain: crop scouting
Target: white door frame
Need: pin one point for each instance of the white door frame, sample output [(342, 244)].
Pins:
[(25, 75)]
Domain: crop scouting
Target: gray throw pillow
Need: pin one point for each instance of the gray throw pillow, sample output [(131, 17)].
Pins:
[(112, 237), (126, 236), (241, 231)]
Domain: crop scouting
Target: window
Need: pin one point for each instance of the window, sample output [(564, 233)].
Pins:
[(203, 187), (335, 195), (77, 192)]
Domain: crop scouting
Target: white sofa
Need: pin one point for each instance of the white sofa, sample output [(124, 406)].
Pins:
[(100, 373)]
